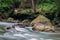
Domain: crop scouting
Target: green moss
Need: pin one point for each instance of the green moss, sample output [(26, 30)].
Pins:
[(10, 20), (22, 11), (41, 19)]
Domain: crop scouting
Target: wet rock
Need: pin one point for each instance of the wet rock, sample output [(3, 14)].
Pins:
[(43, 27), (19, 25), (26, 22), (8, 28)]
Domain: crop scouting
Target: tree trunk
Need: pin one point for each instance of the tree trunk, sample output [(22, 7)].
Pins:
[(33, 6)]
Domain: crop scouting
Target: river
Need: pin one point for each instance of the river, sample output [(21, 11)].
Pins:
[(27, 34)]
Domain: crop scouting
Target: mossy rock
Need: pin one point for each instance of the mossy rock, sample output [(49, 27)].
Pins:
[(21, 11), (26, 22), (41, 19), (10, 20)]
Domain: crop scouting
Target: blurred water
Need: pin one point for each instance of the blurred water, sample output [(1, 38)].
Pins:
[(28, 34)]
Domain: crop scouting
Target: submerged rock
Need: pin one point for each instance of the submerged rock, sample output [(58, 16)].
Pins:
[(43, 27)]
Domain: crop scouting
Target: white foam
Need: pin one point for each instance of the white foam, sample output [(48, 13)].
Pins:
[(33, 39), (26, 34), (29, 35), (20, 29), (45, 39), (42, 39), (49, 39), (19, 35)]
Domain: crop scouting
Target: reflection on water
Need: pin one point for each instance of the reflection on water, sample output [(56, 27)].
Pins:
[(28, 34)]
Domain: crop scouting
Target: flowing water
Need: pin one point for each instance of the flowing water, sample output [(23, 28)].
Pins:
[(26, 34)]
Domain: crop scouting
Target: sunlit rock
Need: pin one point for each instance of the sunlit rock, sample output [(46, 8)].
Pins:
[(38, 27), (49, 28), (43, 27), (41, 19)]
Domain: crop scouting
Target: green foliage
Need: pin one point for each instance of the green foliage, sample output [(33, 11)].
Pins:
[(8, 3), (47, 6), (22, 0), (57, 20), (5, 3), (50, 9)]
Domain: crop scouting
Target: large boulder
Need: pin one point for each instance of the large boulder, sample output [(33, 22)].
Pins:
[(43, 27), (41, 19)]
